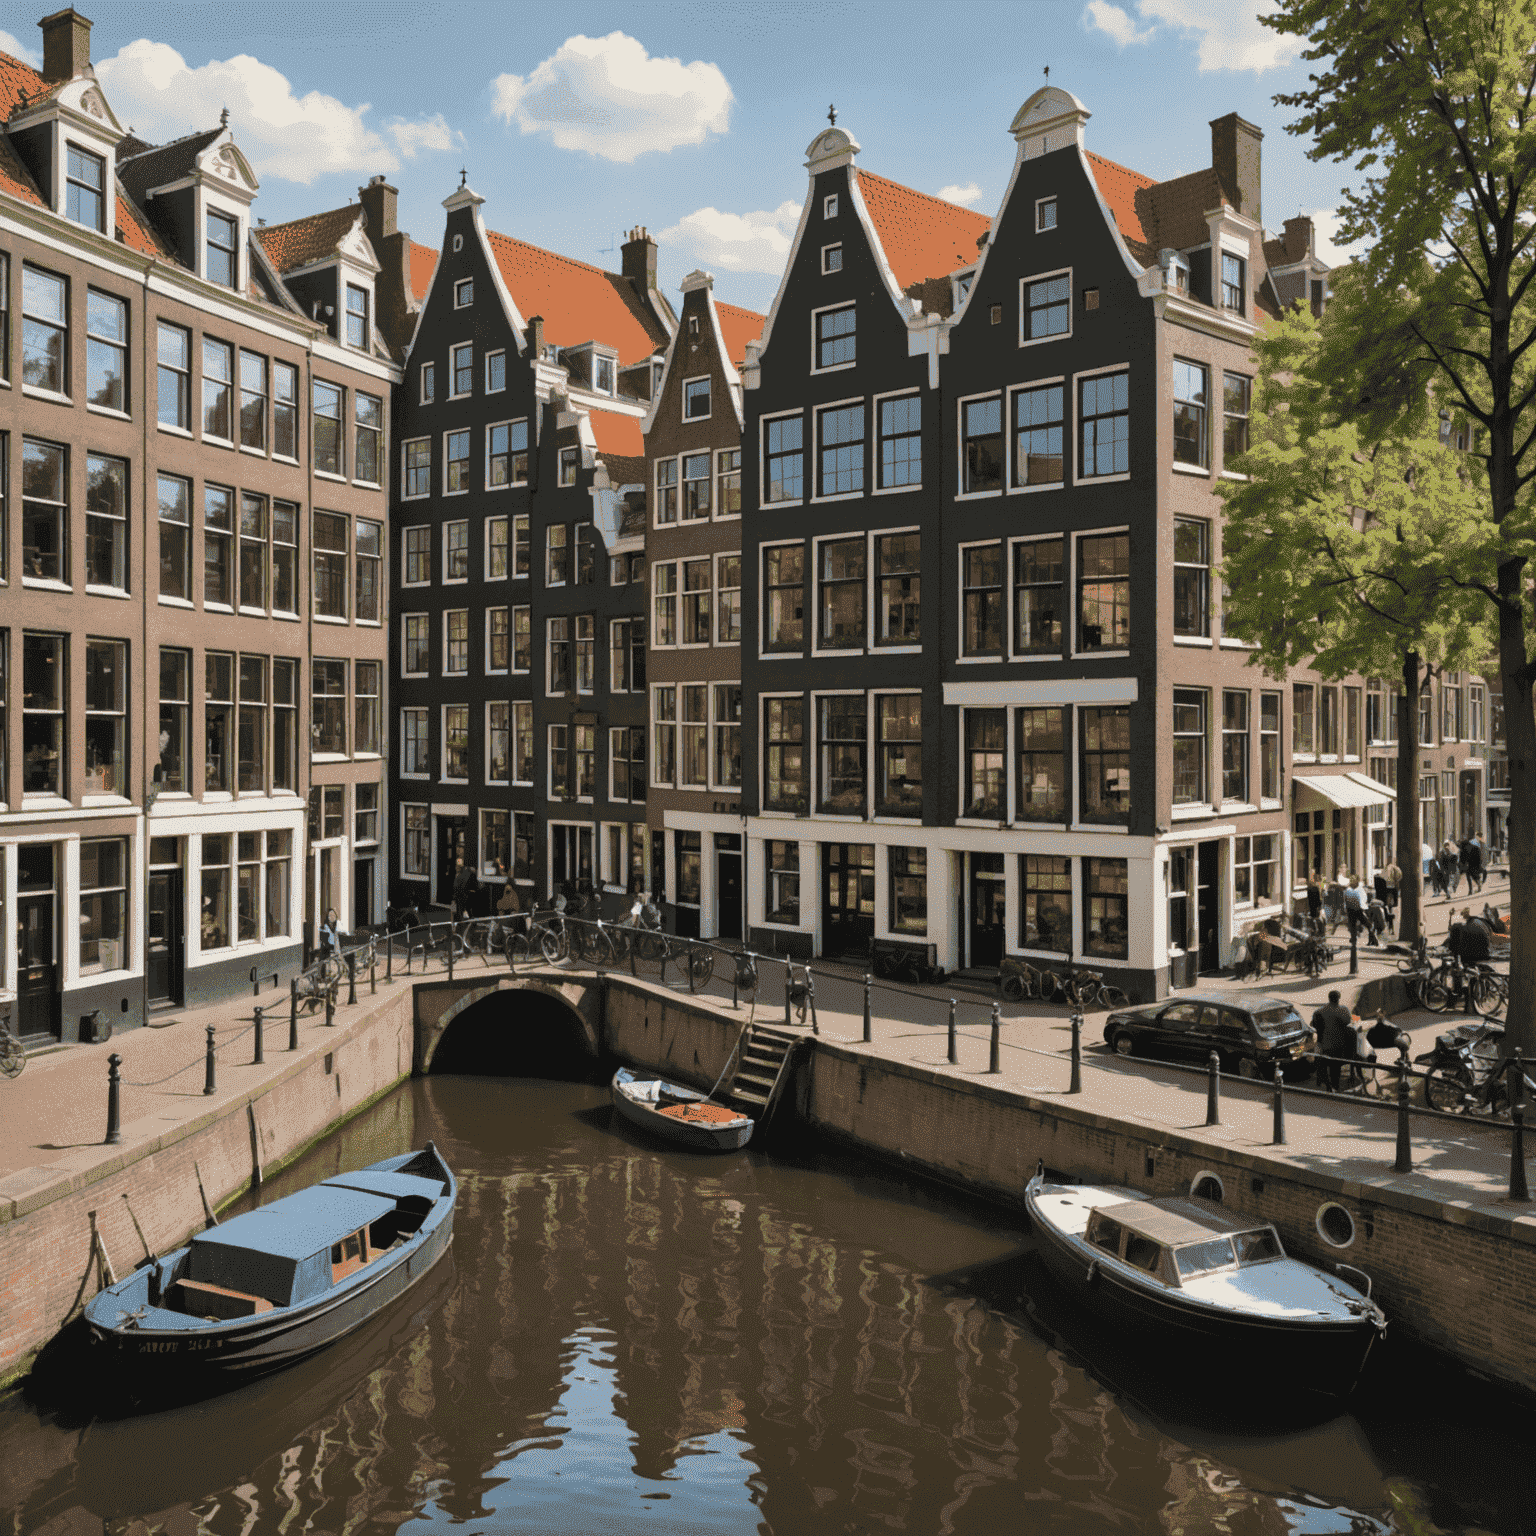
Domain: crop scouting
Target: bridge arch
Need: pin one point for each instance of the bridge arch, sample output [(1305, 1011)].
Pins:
[(522, 1026)]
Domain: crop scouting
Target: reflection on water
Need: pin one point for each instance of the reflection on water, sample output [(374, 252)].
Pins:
[(625, 1335)]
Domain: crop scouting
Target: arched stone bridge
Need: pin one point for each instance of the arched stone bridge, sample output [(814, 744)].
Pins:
[(438, 1003)]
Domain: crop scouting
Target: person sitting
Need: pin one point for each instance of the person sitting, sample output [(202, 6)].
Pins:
[(1474, 947)]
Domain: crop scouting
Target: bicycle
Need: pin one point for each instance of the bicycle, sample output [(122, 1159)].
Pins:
[(13, 1055), (1088, 991)]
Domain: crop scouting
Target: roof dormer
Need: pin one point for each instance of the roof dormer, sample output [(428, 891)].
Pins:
[(1051, 119)]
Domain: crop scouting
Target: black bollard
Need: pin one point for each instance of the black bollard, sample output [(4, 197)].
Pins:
[(1354, 951), (789, 985), (259, 1059), (408, 933), (452, 939), (351, 977), (1212, 1091), (255, 984), (1279, 1137), (293, 1014), (389, 957), (1404, 1163), (1076, 1085), (996, 1064), (330, 1005), (869, 982), (1516, 1083), (209, 1085), (810, 1000), (691, 986), (1518, 1189), (114, 1100), (954, 1044), (373, 971)]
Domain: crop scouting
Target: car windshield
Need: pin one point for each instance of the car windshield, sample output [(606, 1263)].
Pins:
[(1258, 1247), (1202, 1258), (1276, 1019)]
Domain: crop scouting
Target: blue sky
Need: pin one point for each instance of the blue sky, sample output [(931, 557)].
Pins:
[(577, 121)]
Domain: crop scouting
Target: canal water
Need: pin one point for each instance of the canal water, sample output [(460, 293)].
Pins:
[(627, 1339)]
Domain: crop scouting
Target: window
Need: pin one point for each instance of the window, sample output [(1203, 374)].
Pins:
[(218, 552), (832, 258), (1104, 592), (727, 729), (842, 594), (522, 639), (664, 602), (1450, 713), (695, 486), (414, 758), (175, 697), (1106, 915), (43, 674), (285, 411), (899, 570), (694, 731), (1105, 767), (982, 578), (784, 598), (106, 351), (327, 429), (1233, 279), (218, 390), (456, 642), (570, 462), (1351, 722), (498, 640), (218, 720), (1269, 746), (986, 747), (221, 265), (365, 814), (557, 555), (357, 320), (461, 364), (456, 550), (44, 512), (626, 763), (418, 467), (1105, 414), (285, 724), (783, 867), (1040, 740), (330, 535), (1426, 717), (829, 206), (414, 645), (174, 371), (369, 559), (464, 293), (1237, 391), (1038, 426), (106, 522), (844, 740), (728, 483), (689, 859), (586, 654), (1477, 711), (728, 599), (416, 556), (1039, 598), (1234, 745), (251, 729), (1189, 746), (901, 442), (1303, 736), (455, 462), (252, 564), (1191, 444), (495, 549), (784, 469), (1046, 920), (416, 847), (557, 638), (835, 337), (498, 741), (85, 179), (695, 399), (5, 317), (45, 331), (428, 383), (106, 767), (1256, 871), (666, 490), (507, 454), (1191, 576), (842, 450), (785, 766), (1048, 307), (664, 720), (456, 741), (626, 656), (328, 706), (982, 430), (253, 401), (368, 437)]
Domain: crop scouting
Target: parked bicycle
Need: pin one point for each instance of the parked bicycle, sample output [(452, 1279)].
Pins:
[(1087, 990), (13, 1055)]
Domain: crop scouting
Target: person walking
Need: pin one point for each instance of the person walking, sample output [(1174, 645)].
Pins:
[(1431, 869), (1334, 1027), (1315, 898), (466, 886), (1354, 909), (1389, 886), (1476, 864), (1450, 866)]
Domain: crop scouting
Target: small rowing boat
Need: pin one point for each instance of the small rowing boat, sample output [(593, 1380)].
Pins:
[(683, 1116)]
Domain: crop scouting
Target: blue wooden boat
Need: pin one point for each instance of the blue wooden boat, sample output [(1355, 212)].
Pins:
[(274, 1285)]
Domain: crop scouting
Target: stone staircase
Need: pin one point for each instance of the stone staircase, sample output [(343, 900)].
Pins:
[(758, 1069)]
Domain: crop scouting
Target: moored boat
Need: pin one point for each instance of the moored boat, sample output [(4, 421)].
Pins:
[(274, 1285), (683, 1116), (1216, 1288)]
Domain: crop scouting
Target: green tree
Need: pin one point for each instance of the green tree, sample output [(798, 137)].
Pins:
[(1349, 555), (1434, 101)]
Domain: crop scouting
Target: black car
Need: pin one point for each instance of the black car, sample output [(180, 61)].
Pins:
[(1251, 1034)]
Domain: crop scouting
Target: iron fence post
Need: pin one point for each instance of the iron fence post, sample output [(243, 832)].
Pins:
[(330, 1005), (869, 982), (1518, 1189), (1354, 951), (810, 1001), (996, 1064), (114, 1100), (255, 984), (453, 935), (389, 956), (351, 977), (689, 962), (209, 1085), (373, 970), (1279, 1137), (1404, 1163), (954, 1044), (789, 984), (1076, 1085), (259, 1059), (1515, 1082), (1212, 1090), (293, 1014)]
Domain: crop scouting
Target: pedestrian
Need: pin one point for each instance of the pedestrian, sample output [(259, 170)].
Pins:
[(1394, 878), (1315, 898), (466, 886), (1354, 910), (330, 933), (1476, 865), (1450, 866), (1334, 1027), (1474, 948)]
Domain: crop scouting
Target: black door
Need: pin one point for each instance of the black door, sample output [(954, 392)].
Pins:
[(37, 941), (1208, 906), (987, 903), (452, 836), (848, 898), (728, 885), (362, 893), (167, 950)]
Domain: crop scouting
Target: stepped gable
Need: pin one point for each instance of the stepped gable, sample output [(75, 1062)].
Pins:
[(923, 237), (737, 327), (301, 241), (578, 302), (423, 265)]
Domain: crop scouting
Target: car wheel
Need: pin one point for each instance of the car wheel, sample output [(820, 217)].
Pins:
[(1248, 1068), (1125, 1044)]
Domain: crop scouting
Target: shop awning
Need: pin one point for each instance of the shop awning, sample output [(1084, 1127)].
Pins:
[(1353, 791)]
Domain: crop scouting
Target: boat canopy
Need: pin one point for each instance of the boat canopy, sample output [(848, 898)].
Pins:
[(393, 1186), (1174, 1221)]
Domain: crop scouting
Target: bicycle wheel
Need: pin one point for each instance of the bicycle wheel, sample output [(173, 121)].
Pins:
[(1113, 998), (1070, 992), (701, 964), (1436, 995), (1445, 1090), (12, 1056), (1488, 997), (1012, 988), (551, 945), (650, 945)]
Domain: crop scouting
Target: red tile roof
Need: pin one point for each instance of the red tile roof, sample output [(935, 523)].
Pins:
[(922, 236), (578, 302), (423, 264), (16, 81), (737, 327), (134, 230), (617, 434), (301, 241), (1118, 186), (625, 469)]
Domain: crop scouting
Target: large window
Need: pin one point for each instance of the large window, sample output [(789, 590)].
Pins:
[(175, 698), (365, 696), (498, 640), (1256, 870), (106, 710), (626, 763), (664, 721), (586, 653), (1105, 765), (901, 441), (1039, 598), (415, 649), (836, 337), (1191, 576), (218, 546), (666, 490), (1046, 919), (664, 603), (841, 431), (103, 905), (106, 351), (455, 462), (899, 780), (783, 598), (327, 428), (222, 265), (1047, 309), (909, 890), (783, 863), (368, 562), (253, 551), (1104, 592), (1234, 744), (1303, 719), (285, 724), (1328, 721), (106, 522), (842, 594), (285, 411), (416, 556), (43, 675), (696, 486), (218, 720), (844, 743), (330, 555), (415, 751), (784, 466), (1038, 425), (218, 390), (498, 741), (986, 755), (508, 449), (1041, 743), (694, 731), (456, 741), (328, 706), (728, 599), (982, 576), (44, 330), (1269, 746), (253, 400), (174, 374), (44, 512), (728, 482), (368, 437), (85, 182), (418, 467), (456, 550), (1104, 413), (557, 646), (1106, 914), (982, 433), (557, 555), (695, 396), (727, 730), (697, 623), (899, 596), (1191, 414), (1237, 391), (785, 786), (285, 557), (416, 848), (1189, 746)]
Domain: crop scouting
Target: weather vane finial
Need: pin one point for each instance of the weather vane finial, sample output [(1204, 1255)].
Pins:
[(224, 118), (832, 116), (463, 176), (1047, 72)]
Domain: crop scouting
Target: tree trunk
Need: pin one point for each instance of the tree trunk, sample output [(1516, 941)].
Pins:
[(1520, 738), (1410, 903)]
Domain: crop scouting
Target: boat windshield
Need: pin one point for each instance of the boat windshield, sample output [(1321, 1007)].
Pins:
[(1277, 1019), (1258, 1247), (1202, 1258)]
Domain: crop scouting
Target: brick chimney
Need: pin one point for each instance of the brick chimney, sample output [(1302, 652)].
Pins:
[(639, 259), (66, 45), (381, 203), (1300, 240), (535, 334), (1235, 157)]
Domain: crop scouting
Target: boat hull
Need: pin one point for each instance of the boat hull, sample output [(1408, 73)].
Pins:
[(726, 1137)]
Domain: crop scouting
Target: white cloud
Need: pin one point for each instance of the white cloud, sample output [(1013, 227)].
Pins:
[(13, 46), (608, 97), (1325, 225), (964, 195), (1099, 16), (1231, 36), (285, 137), (735, 242)]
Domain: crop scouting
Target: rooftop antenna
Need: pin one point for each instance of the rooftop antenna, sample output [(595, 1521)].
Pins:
[(832, 116), (608, 250)]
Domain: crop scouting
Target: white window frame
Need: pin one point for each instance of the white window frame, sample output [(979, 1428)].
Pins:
[(961, 494), (817, 413), (1011, 588), (512, 566), (493, 671), (496, 389), (415, 805), (826, 251), (415, 710), (403, 618), (806, 469), (714, 725), (763, 653), (872, 467), (1072, 537), (450, 432), (1011, 436), (405, 446), (837, 538), (652, 722), (512, 763), (571, 456), (447, 580), (550, 727), (500, 517), (652, 628), (427, 369), (459, 301), (1010, 768), (829, 206), (1078, 477), (715, 514), (453, 369), (814, 776), (442, 745), (1042, 277), (873, 582), (414, 527), (816, 368), (961, 658), (1040, 204), (697, 378), (456, 671), (506, 782)]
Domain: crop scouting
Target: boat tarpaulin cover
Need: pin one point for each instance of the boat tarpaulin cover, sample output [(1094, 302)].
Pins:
[(394, 1186)]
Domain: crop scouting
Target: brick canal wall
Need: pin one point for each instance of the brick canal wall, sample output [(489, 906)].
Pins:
[(46, 1267)]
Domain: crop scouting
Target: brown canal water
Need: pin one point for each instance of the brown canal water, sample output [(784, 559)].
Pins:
[(627, 1339)]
